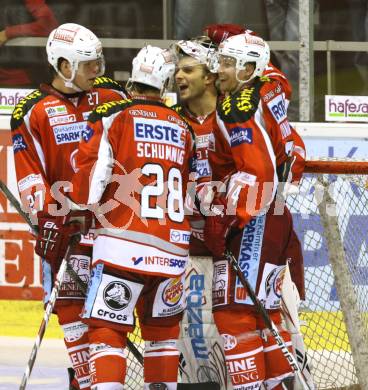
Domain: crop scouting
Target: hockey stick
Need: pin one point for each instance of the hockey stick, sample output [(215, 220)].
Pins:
[(48, 311), (13, 200), (267, 320)]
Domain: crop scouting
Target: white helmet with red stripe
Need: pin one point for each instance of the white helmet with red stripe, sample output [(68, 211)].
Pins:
[(153, 66), (246, 48), (76, 44)]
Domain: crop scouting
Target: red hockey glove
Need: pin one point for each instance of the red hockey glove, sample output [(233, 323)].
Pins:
[(219, 32), (218, 226), (55, 234)]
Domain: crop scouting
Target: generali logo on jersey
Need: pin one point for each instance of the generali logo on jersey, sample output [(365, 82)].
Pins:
[(340, 108)]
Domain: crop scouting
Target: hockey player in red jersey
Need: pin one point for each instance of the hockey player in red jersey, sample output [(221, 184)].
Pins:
[(219, 32), (46, 128), (199, 342), (135, 164), (250, 152), (198, 99)]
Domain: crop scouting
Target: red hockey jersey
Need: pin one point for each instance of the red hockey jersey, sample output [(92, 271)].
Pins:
[(252, 138), (46, 129), (202, 127), (299, 152), (133, 165)]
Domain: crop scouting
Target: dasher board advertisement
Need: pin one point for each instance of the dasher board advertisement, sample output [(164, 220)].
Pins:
[(339, 108), (10, 97)]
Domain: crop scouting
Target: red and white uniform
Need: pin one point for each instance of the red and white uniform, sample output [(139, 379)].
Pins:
[(46, 129), (252, 139), (132, 156), (135, 163), (202, 127), (299, 154), (295, 176)]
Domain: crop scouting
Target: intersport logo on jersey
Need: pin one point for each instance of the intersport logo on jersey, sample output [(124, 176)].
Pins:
[(340, 108)]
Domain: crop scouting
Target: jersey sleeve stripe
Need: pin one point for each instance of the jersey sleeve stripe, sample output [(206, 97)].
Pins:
[(103, 166), (222, 127), (37, 145), (258, 118)]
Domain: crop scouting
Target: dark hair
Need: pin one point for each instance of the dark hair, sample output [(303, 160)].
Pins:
[(142, 88), (52, 71)]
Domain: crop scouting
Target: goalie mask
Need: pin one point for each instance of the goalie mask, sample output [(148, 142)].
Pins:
[(244, 48), (77, 45), (152, 66)]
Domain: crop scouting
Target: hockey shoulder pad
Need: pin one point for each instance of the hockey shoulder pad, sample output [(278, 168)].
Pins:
[(178, 108), (242, 105), (108, 109), (24, 105), (107, 83)]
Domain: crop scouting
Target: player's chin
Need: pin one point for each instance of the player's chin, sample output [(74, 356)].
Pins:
[(224, 85), (86, 85), (91, 81), (184, 94)]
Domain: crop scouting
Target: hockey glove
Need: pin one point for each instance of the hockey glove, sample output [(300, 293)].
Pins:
[(55, 234), (218, 226)]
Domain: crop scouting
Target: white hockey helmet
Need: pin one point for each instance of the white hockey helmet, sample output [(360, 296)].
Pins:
[(153, 66), (76, 44), (195, 48), (246, 48)]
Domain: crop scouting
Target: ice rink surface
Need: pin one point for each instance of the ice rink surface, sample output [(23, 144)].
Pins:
[(50, 369)]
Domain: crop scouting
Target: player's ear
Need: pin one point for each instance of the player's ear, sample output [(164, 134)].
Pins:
[(246, 73), (249, 69), (210, 78), (65, 68)]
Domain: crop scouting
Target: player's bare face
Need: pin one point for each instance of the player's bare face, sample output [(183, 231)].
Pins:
[(227, 74), (190, 78), (86, 74)]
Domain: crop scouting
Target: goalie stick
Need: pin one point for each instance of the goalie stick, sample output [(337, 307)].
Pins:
[(13, 200), (267, 320)]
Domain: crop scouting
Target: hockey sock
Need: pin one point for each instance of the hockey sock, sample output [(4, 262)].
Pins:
[(76, 342), (107, 361), (161, 360)]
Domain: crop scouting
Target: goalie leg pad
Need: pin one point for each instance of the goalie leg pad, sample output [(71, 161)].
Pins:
[(243, 348), (76, 342), (161, 360), (107, 361)]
